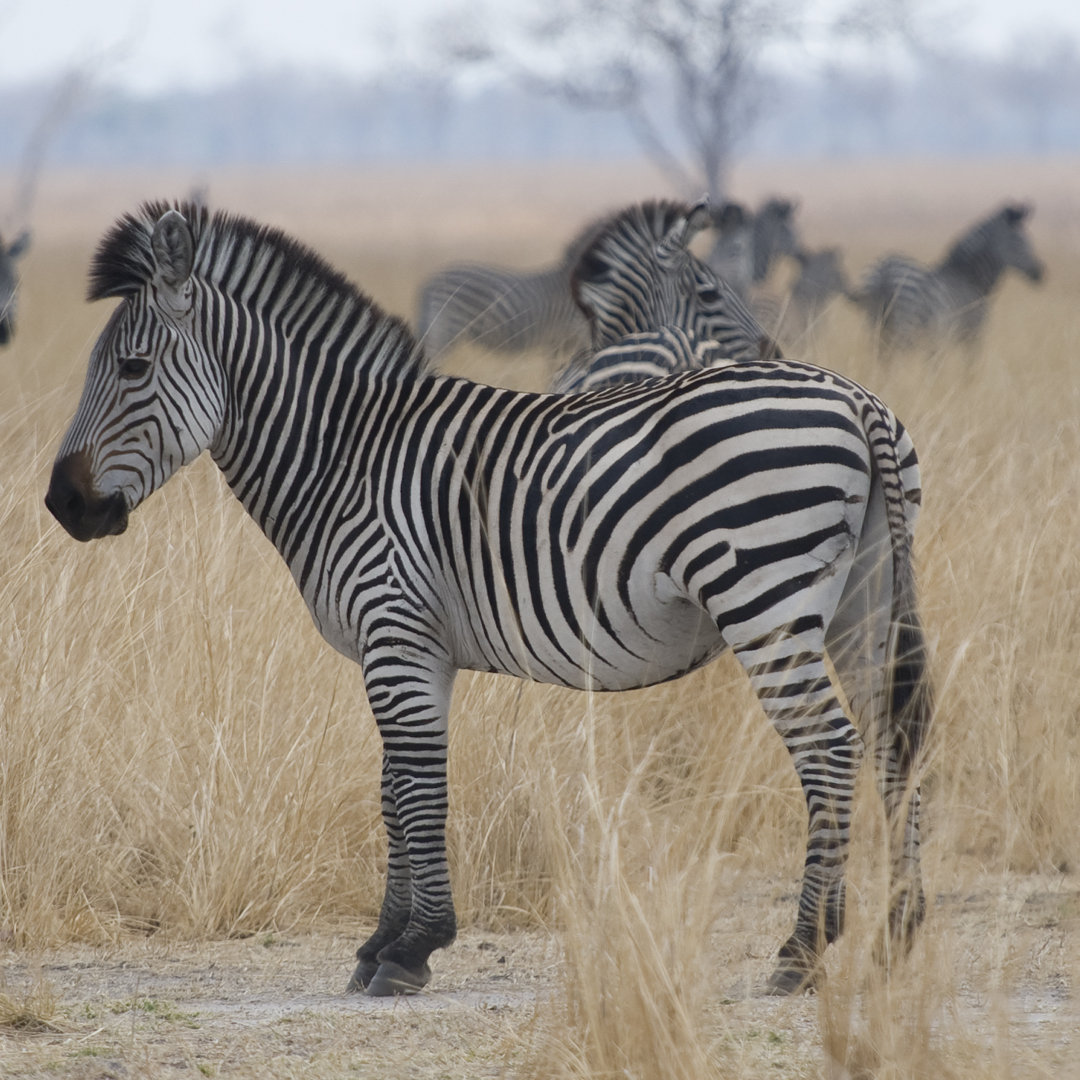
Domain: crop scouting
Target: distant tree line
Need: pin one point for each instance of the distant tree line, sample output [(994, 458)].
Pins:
[(1025, 104)]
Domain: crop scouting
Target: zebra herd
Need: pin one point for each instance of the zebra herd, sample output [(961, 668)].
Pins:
[(907, 306), (683, 490)]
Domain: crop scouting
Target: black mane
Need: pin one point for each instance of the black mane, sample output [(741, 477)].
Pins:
[(124, 263)]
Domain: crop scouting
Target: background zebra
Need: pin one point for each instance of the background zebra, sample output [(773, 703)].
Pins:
[(746, 250), (603, 541), (909, 305), (637, 274), (9, 283), (502, 309), (821, 279)]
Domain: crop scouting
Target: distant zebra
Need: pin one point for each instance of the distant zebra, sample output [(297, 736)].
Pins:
[(502, 309), (744, 254), (821, 279), (914, 306), (637, 274), (9, 283), (602, 540)]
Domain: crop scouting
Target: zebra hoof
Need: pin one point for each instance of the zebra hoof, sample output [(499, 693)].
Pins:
[(391, 979), (787, 981), (362, 976)]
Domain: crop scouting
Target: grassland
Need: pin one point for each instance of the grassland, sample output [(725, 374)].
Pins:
[(189, 825)]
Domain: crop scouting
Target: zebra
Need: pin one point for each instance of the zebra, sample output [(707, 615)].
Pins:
[(502, 309), (603, 541), (911, 306), (9, 283), (743, 255), (821, 278), (636, 274)]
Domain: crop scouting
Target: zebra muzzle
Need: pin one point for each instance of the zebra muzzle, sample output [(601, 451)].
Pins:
[(85, 514)]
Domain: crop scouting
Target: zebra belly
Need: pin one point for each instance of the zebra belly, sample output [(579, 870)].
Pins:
[(662, 636)]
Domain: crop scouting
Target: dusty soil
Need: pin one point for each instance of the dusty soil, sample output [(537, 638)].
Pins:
[(273, 1005)]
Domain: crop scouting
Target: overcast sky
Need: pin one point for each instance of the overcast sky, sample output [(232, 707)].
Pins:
[(149, 45)]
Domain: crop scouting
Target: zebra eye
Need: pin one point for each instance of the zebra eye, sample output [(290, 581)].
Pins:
[(133, 367)]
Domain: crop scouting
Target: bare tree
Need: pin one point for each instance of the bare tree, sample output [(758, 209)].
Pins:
[(685, 74), (691, 77)]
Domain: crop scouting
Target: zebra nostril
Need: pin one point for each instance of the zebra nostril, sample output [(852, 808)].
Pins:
[(74, 505)]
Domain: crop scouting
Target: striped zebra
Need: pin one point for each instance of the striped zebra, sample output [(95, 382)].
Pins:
[(821, 279), (637, 274), (9, 283), (743, 255), (912, 306), (502, 309), (602, 541)]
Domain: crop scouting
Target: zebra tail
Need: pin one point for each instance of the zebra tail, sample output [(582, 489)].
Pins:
[(909, 690)]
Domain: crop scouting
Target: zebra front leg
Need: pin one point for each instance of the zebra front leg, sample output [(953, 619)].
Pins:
[(791, 681), (397, 900), (410, 700)]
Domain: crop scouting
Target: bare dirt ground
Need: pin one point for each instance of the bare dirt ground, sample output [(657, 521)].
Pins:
[(273, 1005)]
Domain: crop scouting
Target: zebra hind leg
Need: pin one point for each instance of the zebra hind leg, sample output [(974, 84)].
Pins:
[(788, 673), (858, 640)]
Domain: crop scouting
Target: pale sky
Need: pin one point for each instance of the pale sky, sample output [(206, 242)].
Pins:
[(149, 45)]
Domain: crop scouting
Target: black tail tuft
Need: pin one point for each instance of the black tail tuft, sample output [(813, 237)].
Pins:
[(911, 698)]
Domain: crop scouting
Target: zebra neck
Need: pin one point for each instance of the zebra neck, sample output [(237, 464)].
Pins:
[(296, 416), (975, 266)]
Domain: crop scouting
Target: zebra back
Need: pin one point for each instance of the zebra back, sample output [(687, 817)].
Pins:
[(502, 309), (651, 354)]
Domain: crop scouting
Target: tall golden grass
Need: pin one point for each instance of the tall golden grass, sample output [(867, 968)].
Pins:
[(181, 754)]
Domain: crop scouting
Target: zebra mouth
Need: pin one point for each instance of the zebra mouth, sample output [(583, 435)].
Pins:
[(85, 516)]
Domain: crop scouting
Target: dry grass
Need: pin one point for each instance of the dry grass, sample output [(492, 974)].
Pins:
[(183, 757)]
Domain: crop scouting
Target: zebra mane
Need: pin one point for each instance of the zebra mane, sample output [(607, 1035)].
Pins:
[(124, 263), (979, 236)]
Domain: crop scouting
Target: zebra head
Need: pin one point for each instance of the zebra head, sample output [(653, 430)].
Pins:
[(774, 235), (821, 276), (9, 283), (1013, 243), (637, 272), (154, 397)]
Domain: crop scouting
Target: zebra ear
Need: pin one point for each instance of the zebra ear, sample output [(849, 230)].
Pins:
[(700, 217), (174, 248), (19, 245), (730, 215), (1015, 213)]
